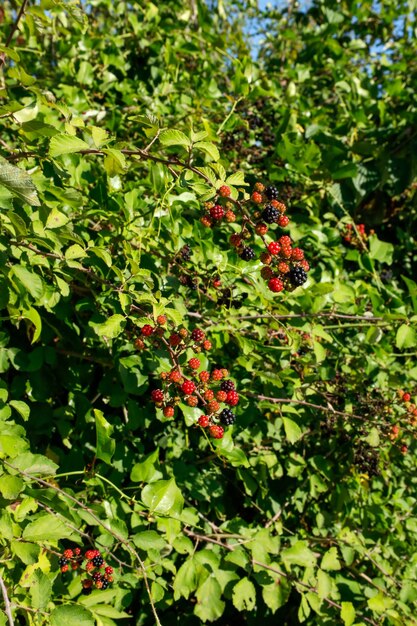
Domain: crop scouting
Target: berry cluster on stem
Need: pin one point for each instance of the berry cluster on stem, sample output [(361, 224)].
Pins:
[(97, 573)]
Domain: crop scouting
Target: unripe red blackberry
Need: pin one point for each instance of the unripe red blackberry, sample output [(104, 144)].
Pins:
[(279, 205), (247, 254), (227, 385), (235, 240), (77, 551), (197, 335), (267, 272), (207, 345), (212, 407), (204, 376), (256, 197), (266, 258), (259, 187), (89, 566), (175, 376), (174, 340), (283, 221), (139, 344), (216, 374), (286, 252), (276, 285), (206, 221), (188, 387), (297, 254), (274, 247), (230, 217), (90, 554), (221, 396), (192, 400), (183, 332), (68, 554), (283, 267), (216, 431), (161, 320), (225, 372), (147, 330), (232, 398), (285, 241), (217, 212), (305, 265), (64, 568), (227, 417), (157, 395), (224, 191), (406, 397), (261, 228), (194, 363), (109, 570), (209, 394), (169, 411), (203, 421), (217, 283)]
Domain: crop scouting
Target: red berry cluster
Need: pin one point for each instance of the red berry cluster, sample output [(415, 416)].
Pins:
[(356, 237), (285, 265), (93, 563), (187, 383)]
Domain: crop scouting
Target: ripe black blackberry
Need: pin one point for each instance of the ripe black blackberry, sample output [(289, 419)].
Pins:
[(86, 591), (227, 417), (297, 276), (227, 385), (247, 254), (192, 282), (63, 561), (270, 214), (105, 584), (271, 193), (186, 252), (97, 561)]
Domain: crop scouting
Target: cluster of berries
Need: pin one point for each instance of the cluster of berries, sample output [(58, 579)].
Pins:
[(410, 407), (187, 383), (285, 265), (215, 213), (177, 341), (356, 237), (94, 562)]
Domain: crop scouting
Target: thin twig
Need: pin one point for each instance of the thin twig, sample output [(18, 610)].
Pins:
[(7, 606), (12, 31)]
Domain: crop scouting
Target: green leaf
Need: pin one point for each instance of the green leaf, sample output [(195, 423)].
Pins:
[(71, 615), (292, 430), (276, 594), (244, 595), (75, 252), (21, 407), (299, 554), (405, 337), (40, 590), (105, 445), (18, 182), (209, 606), (48, 528), (209, 148), (186, 579), (380, 250), (35, 464), (111, 328), (10, 486), (349, 170), (30, 281), (347, 613), (236, 179), (324, 584), (66, 144), (114, 162), (163, 497), (33, 316), (174, 138), (56, 219), (330, 561), (145, 471), (149, 539)]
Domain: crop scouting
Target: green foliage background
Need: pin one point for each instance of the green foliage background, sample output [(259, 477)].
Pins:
[(117, 121)]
